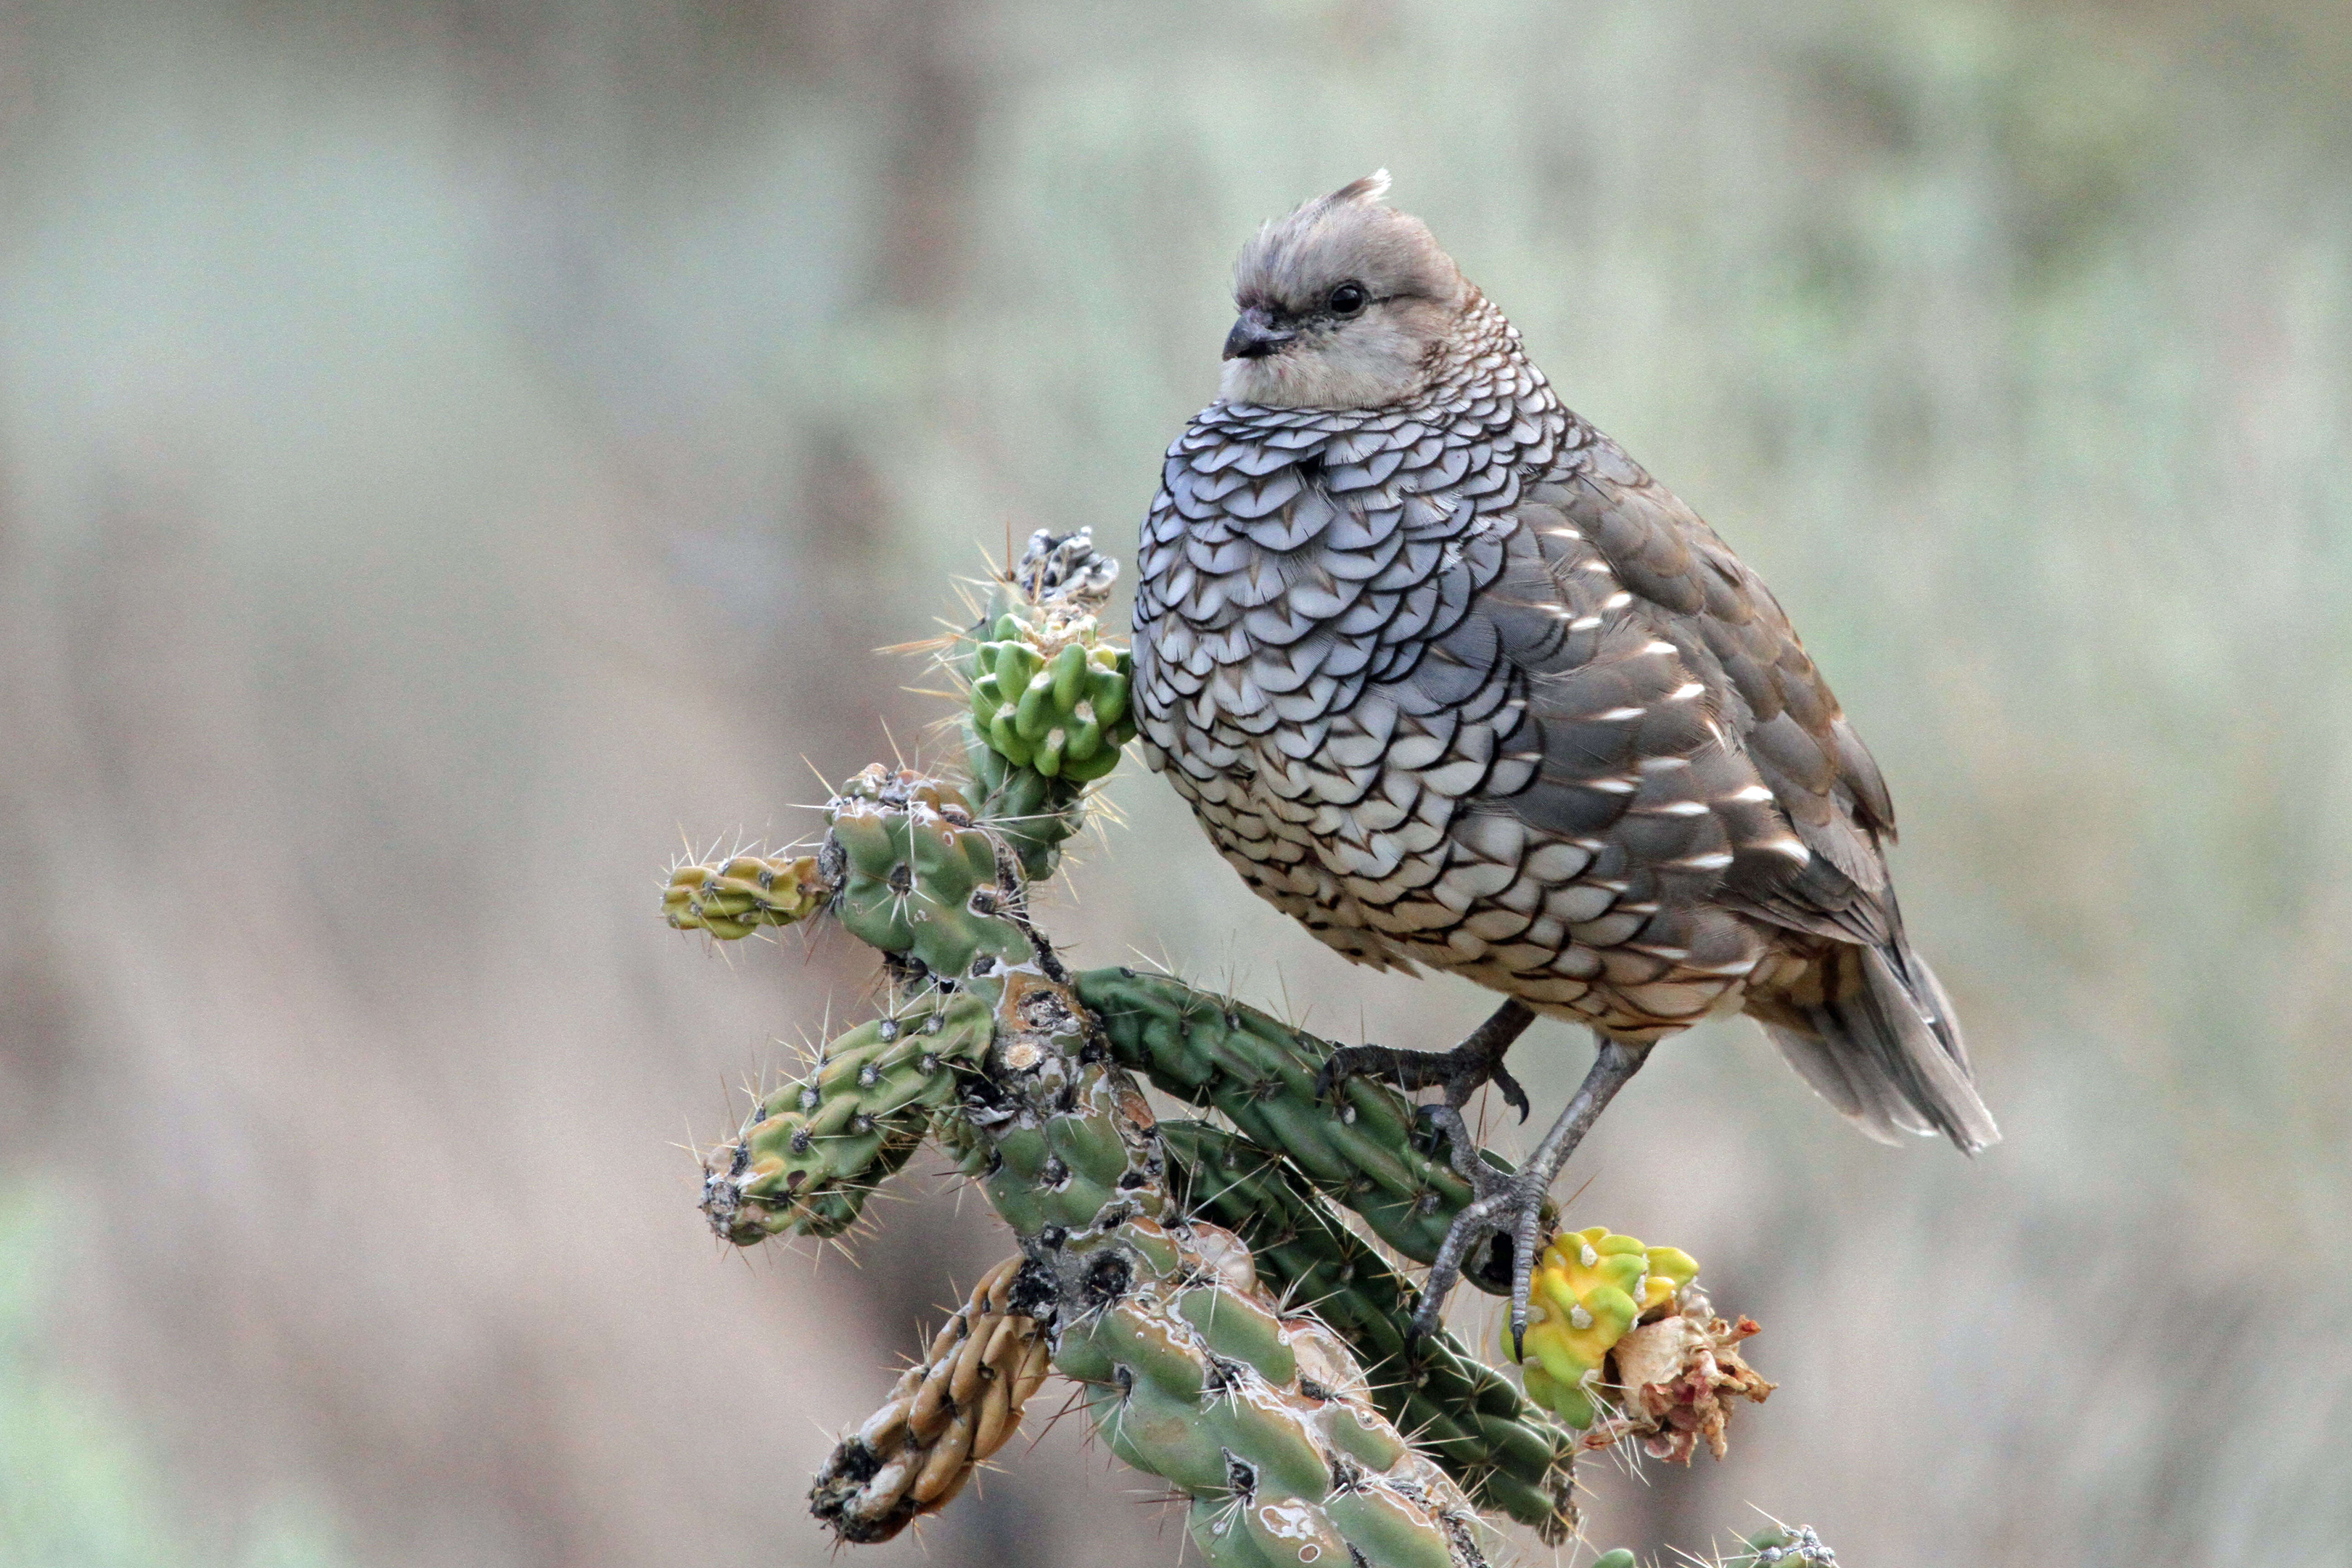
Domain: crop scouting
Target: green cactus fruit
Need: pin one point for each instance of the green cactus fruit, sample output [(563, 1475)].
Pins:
[(1590, 1287), (1048, 709), (814, 1151), (1501, 1448), (1621, 1558), (732, 900), (1369, 1150)]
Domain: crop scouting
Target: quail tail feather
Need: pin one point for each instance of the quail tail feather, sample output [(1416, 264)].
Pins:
[(1884, 1046)]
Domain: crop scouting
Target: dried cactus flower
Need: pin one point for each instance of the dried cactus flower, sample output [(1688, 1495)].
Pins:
[(1677, 1379)]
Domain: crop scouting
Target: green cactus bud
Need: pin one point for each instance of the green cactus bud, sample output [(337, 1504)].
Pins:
[(1004, 736), (1035, 712), (1068, 671), (1111, 697), (1014, 662), (1049, 699), (1621, 1558), (1086, 769)]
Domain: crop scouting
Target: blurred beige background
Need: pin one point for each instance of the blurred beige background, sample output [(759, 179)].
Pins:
[(453, 451)]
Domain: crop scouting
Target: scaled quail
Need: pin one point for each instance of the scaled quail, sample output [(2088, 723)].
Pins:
[(1453, 682)]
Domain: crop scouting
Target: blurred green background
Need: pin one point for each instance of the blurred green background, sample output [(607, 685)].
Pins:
[(453, 451)]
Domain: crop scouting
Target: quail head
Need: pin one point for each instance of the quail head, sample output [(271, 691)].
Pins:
[(1453, 682)]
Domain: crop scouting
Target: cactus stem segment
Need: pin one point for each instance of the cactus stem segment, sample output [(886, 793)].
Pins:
[(949, 1413)]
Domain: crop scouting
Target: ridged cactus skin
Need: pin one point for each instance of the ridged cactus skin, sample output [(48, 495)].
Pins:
[(1373, 1152), (732, 900), (812, 1151), (1591, 1289), (1774, 1548), (920, 878), (1036, 815), (949, 1411), (1461, 1412), (1026, 687), (1192, 1372)]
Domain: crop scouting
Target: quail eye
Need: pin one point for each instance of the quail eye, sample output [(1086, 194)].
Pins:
[(1348, 299)]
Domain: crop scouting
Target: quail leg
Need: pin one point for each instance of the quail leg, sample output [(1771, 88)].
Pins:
[(1512, 1206), (1462, 1071)]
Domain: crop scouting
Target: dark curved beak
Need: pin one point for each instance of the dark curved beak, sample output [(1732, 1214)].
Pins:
[(1255, 336)]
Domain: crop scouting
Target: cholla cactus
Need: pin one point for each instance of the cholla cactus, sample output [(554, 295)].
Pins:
[(1043, 721), (1048, 694), (1372, 1151), (1194, 1372), (918, 878), (1230, 1333), (1461, 1412)]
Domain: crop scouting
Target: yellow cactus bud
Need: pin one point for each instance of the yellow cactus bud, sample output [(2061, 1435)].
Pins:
[(1590, 1288), (748, 891)]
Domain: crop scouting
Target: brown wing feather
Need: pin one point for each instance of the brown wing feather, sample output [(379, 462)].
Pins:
[(1768, 695)]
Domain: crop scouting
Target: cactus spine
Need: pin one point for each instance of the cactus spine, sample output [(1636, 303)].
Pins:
[(1192, 1370), (730, 901), (812, 1152)]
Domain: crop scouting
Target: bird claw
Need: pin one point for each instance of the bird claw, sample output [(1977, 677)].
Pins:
[(1461, 1077), (1509, 1087), (1510, 1206), (1513, 1204), (1460, 1072)]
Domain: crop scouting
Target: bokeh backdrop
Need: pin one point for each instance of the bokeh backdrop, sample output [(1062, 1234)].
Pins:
[(455, 453)]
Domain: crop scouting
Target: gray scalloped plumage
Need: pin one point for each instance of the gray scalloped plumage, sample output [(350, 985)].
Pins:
[(1450, 679)]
